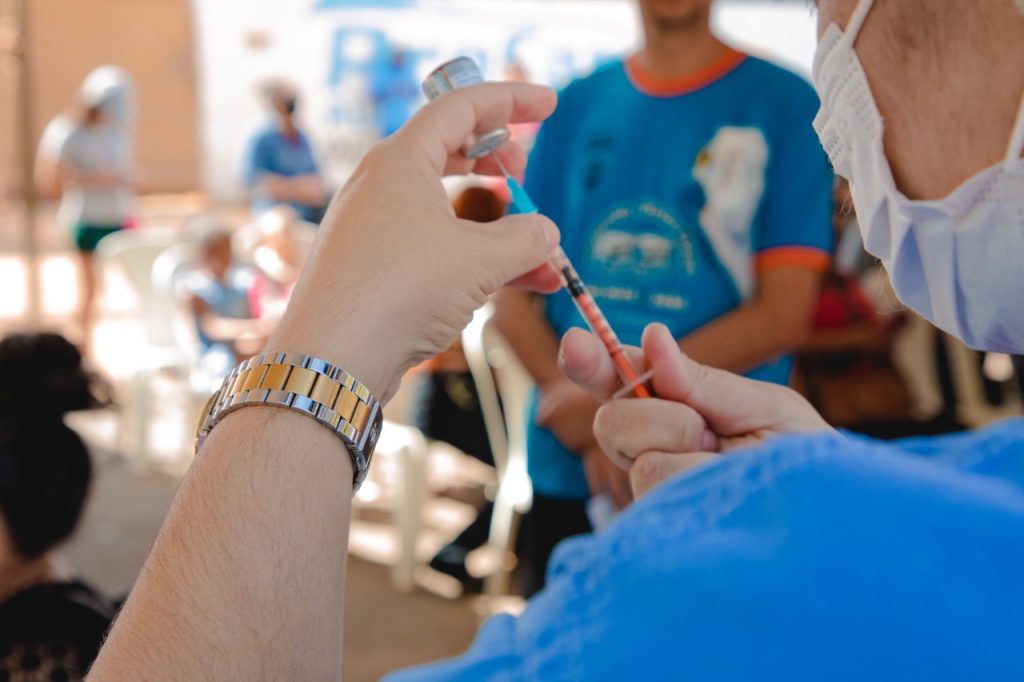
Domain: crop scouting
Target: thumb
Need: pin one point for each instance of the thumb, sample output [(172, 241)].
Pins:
[(585, 360), (517, 248), (730, 403)]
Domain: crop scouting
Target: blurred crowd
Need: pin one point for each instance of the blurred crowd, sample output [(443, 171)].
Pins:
[(741, 241)]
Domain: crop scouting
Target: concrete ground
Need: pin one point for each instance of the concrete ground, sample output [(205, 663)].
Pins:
[(384, 630)]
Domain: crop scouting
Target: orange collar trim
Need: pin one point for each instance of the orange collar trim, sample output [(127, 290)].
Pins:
[(682, 85)]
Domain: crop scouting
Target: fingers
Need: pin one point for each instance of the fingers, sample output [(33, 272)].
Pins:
[(652, 468), (440, 128), (628, 428), (730, 403), (515, 249), (583, 358)]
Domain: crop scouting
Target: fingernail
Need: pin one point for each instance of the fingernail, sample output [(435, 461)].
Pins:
[(710, 441)]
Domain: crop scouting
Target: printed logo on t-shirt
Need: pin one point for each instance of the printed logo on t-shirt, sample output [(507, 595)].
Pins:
[(731, 171), (640, 253)]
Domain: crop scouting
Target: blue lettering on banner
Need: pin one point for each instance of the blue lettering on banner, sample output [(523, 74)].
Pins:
[(349, 4)]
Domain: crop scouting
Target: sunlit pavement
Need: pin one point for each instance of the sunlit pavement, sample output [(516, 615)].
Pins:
[(133, 486)]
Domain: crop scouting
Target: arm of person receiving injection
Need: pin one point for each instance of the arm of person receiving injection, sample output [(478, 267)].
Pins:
[(775, 322)]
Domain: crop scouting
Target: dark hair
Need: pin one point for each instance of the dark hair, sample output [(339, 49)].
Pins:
[(44, 466)]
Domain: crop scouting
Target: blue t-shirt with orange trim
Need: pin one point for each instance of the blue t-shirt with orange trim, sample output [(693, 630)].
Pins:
[(670, 198)]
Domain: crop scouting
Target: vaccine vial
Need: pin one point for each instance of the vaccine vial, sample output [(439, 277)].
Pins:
[(462, 72)]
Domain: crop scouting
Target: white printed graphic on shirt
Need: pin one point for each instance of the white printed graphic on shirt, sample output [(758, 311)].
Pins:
[(731, 171)]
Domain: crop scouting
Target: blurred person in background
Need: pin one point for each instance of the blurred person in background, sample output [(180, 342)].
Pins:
[(448, 408), (279, 166), (50, 627), (690, 189), (88, 157), (280, 251), (845, 366), (218, 291)]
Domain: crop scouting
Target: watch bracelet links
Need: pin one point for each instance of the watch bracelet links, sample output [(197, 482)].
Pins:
[(314, 387)]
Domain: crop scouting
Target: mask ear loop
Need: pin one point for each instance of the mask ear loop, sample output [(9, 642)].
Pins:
[(860, 12), (1016, 146)]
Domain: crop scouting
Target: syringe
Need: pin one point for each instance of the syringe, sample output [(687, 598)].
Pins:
[(582, 297)]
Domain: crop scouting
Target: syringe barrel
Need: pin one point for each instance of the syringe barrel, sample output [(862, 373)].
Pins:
[(463, 72), (597, 322)]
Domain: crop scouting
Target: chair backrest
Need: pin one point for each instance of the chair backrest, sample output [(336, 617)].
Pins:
[(169, 270), (503, 387), (135, 252)]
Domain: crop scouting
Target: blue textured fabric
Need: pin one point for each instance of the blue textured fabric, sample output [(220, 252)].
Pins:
[(827, 557), (269, 151), (665, 203)]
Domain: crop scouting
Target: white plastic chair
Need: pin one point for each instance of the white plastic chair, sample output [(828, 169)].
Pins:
[(169, 271), (408, 446), (135, 252), (501, 381)]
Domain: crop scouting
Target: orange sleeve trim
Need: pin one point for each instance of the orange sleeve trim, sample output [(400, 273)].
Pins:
[(792, 257), (681, 85)]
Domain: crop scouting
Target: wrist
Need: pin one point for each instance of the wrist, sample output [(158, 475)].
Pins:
[(358, 344)]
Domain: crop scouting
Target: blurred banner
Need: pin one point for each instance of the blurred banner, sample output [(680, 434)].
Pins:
[(358, 63)]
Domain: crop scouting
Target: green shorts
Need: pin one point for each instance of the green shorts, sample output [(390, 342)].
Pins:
[(88, 236)]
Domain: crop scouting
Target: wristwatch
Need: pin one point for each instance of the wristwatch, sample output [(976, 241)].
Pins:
[(314, 387)]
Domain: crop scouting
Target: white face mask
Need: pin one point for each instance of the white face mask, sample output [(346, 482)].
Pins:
[(956, 260)]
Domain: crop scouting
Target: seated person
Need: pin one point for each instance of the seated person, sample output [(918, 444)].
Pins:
[(279, 165), (50, 627), (218, 292), (279, 252)]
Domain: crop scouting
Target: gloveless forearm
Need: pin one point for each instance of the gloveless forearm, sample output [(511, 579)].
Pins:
[(246, 578), (777, 321), (743, 339), (251, 558)]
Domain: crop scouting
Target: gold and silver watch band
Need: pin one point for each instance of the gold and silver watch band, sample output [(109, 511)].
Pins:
[(308, 385)]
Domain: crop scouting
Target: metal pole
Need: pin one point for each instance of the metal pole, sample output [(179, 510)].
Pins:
[(26, 158)]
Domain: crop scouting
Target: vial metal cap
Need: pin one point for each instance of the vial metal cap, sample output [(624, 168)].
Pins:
[(463, 72)]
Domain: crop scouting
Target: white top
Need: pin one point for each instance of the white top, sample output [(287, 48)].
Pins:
[(91, 148)]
